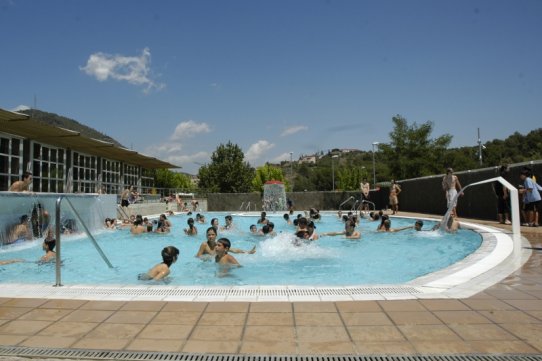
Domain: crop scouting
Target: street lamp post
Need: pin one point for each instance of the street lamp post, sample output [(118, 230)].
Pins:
[(333, 171), (374, 165), (291, 164)]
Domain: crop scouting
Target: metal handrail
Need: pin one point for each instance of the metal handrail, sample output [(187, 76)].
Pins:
[(346, 201), (58, 243)]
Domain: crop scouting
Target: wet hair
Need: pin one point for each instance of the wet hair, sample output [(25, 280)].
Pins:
[(225, 242), (301, 233), (169, 254), (295, 222), (302, 222), (24, 218), (228, 218), (265, 229), (26, 175), (419, 222), (271, 225), (253, 226), (51, 243), (213, 220), (286, 216), (345, 218), (387, 224), (190, 222), (208, 229)]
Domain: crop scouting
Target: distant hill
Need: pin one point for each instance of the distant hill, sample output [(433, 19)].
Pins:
[(63, 122)]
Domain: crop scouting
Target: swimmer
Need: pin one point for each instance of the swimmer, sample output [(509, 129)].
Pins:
[(170, 255), (313, 236), (387, 227), (253, 229), (286, 217), (191, 230), (229, 223), (349, 232), (222, 257), (48, 246), (208, 247)]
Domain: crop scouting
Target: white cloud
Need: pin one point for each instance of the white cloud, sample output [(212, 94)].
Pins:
[(256, 150), (189, 129), (293, 130), (282, 157), (132, 69), (19, 108)]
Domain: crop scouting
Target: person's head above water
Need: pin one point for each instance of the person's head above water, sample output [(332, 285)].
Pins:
[(170, 255)]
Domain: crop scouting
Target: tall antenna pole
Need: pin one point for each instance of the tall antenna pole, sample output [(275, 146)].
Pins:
[(479, 147)]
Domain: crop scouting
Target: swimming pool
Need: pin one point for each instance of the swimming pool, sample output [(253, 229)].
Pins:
[(377, 258)]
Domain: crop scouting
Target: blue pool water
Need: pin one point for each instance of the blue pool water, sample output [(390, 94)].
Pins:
[(377, 258)]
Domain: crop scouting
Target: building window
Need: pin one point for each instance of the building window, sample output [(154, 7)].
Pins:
[(84, 173), (111, 176), (48, 168), (147, 181), (11, 160)]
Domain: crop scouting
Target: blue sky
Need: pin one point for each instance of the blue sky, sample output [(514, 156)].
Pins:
[(174, 79)]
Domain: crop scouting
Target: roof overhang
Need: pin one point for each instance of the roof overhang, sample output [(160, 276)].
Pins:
[(24, 126)]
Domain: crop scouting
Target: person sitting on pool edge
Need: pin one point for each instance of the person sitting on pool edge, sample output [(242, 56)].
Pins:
[(170, 254), (222, 257)]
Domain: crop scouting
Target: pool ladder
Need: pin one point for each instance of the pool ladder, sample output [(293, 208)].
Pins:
[(58, 233)]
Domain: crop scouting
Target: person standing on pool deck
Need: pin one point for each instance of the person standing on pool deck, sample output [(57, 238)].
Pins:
[(451, 185), (531, 197), (365, 189), (395, 189), (170, 255)]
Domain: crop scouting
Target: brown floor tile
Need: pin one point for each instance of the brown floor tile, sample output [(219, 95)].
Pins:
[(499, 347), (509, 316), (487, 305), (268, 348), (228, 307), (143, 306), (4, 300), (512, 295), (11, 340), (526, 305), (67, 304), (358, 306), (317, 319), (211, 346), (270, 319), (23, 327), (428, 333), (327, 348), (102, 305), (45, 314), (115, 331), (271, 333), (88, 316), (176, 318), (413, 318), (275, 307), (366, 319), (537, 344), (49, 341), (444, 305), (459, 317), (166, 332), (402, 305), (227, 333), (314, 307), (321, 334), (482, 296), (385, 348), (223, 319), (11, 313), (185, 306), (440, 347), (535, 314), (488, 332), (131, 317), (68, 329), (3, 321), (24, 302), (155, 345), (375, 333), (102, 343), (524, 331)]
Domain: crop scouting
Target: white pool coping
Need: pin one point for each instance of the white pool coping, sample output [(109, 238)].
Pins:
[(496, 258)]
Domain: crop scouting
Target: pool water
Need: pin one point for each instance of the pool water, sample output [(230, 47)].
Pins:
[(376, 258)]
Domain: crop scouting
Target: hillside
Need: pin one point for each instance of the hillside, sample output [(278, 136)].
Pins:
[(63, 122)]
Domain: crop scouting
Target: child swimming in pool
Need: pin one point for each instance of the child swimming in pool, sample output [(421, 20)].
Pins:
[(222, 257), (170, 255)]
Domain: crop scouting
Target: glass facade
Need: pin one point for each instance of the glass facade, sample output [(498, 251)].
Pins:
[(111, 176), (11, 160), (48, 168)]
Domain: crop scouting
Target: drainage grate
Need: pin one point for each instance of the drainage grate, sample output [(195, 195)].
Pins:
[(33, 352), (252, 292)]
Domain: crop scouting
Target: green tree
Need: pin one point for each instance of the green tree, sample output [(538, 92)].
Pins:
[(165, 178), (411, 152), (228, 172), (264, 174)]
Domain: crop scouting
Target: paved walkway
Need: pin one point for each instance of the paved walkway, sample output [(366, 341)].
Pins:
[(505, 318)]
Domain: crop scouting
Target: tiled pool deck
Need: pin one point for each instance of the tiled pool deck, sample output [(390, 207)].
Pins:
[(504, 318)]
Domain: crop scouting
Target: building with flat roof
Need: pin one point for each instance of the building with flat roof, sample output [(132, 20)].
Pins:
[(64, 161)]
